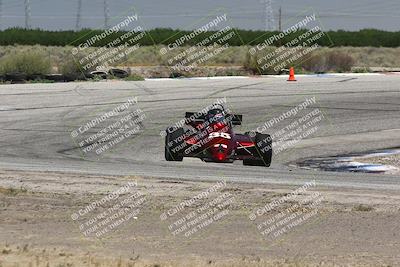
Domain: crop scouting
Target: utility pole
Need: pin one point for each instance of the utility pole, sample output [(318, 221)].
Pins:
[(269, 15), (280, 19), (27, 14), (106, 14), (78, 15), (1, 14)]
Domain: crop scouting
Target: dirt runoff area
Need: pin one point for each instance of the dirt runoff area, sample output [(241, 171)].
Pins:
[(60, 219)]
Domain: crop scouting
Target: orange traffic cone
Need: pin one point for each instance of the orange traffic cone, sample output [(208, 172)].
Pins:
[(291, 75)]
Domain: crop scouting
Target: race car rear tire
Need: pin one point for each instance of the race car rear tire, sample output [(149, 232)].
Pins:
[(253, 162), (264, 148), (172, 142)]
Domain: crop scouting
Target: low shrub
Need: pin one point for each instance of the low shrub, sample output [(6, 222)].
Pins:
[(30, 63), (316, 63), (331, 61), (72, 70), (339, 61), (134, 77), (252, 62)]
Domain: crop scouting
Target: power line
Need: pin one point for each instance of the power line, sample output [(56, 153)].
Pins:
[(78, 15), (361, 7), (27, 14)]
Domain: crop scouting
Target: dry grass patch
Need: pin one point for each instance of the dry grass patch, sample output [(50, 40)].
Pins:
[(12, 191), (363, 208)]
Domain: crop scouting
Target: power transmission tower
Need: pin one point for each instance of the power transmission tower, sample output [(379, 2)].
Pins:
[(78, 15), (269, 15), (27, 14), (106, 14)]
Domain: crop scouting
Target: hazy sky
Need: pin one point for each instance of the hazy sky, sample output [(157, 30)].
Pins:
[(249, 14)]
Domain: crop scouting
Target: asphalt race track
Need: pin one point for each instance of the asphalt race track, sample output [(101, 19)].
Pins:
[(361, 113)]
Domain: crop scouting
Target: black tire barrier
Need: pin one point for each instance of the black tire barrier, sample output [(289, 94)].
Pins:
[(118, 73), (76, 77), (70, 78), (16, 77), (55, 77), (176, 75), (99, 74), (89, 76), (33, 77)]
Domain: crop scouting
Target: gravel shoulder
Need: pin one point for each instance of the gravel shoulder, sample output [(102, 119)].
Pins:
[(349, 227)]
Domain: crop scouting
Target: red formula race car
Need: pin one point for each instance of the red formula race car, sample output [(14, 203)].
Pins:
[(210, 137)]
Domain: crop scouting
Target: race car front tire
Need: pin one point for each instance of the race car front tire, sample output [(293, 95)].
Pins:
[(264, 148), (173, 139), (263, 144)]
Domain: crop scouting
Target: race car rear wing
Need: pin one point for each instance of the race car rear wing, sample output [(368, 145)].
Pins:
[(236, 119)]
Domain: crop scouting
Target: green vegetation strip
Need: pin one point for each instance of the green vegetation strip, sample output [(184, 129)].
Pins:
[(367, 37)]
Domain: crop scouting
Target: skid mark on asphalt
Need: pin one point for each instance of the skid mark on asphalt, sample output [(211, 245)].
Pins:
[(347, 80), (232, 88), (201, 98), (369, 103), (338, 108), (65, 106), (40, 93), (145, 89), (33, 130)]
